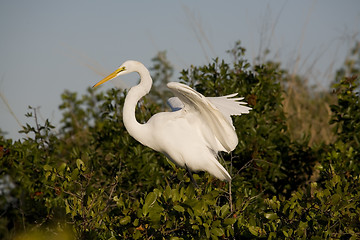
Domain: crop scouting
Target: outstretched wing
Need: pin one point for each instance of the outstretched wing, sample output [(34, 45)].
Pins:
[(219, 121)]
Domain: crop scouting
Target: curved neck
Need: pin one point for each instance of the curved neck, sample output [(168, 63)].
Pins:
[(135, 129)]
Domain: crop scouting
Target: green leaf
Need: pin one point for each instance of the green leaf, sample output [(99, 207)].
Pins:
[(179, 208), (155, 213), (47, 174), (167, 192), (80, 164), (255, 230), (335, 199), (47, 167), (125, 220), (217, 232), (175, 238), (271, 216), (207, 230), (67, 207), (75, 174), (149, 202), (62, 167), (224, 210), (150, 199), (229, 221), (195, 227), (136, 222)]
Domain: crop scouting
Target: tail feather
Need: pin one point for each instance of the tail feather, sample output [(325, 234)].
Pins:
[(217, 170)]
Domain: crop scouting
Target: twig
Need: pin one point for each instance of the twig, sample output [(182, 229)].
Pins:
[(230, 197), (3, 98), (36, 119), (245, 166)]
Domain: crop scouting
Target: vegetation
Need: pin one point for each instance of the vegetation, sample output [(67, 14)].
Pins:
[(296, 170)]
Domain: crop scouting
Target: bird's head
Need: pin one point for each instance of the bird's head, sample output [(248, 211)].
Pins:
[(125, 68)]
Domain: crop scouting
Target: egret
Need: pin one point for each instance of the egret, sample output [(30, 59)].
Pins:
[(196, 130)]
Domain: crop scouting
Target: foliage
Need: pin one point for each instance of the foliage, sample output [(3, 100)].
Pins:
[(90, 180)]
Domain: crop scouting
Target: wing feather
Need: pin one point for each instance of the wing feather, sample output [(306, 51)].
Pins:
[(217, 121), (228, 105)]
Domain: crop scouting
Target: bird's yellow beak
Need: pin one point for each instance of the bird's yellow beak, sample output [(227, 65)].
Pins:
[(111, 76)]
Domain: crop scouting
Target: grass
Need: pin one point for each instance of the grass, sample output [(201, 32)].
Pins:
[(308, 112)]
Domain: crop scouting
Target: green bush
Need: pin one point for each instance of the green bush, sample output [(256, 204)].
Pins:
[(90, 180)]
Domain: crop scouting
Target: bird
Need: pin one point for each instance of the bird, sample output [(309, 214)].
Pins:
[(193, 133)]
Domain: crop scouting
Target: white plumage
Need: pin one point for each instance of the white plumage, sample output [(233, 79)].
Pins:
[(193, 133)]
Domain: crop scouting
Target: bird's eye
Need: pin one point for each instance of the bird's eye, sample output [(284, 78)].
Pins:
[(121, 70)]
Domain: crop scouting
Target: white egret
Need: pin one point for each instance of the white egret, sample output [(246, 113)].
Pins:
[(193, 133)]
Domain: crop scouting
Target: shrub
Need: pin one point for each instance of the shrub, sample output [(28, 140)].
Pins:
[(90, 179)]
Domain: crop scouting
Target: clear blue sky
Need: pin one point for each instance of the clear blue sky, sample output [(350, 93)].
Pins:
[(45, 45)]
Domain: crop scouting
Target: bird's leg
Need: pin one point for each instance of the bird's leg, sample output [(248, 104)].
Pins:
[(191, 177), (230, 197)]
